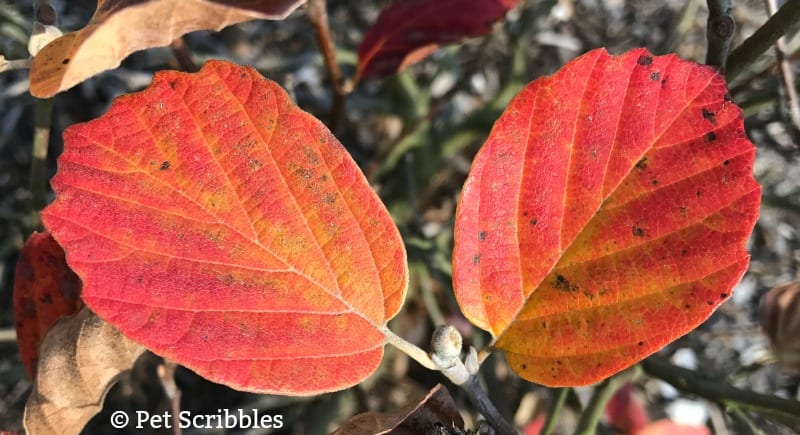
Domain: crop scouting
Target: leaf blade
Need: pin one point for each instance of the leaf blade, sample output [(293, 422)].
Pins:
[(597, 202), (234, 220)]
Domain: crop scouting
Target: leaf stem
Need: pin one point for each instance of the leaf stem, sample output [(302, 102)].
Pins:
[(183, 55), (9, 65), (555, 410), (782, 410), (409, 349), (318, 15), (787, 18)]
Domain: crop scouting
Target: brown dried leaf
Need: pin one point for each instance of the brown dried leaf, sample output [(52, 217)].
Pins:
[(81, 358), (435, 409), (780, 319), (120, 27)]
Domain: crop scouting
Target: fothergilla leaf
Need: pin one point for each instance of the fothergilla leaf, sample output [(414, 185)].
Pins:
[(606, 215), (216, 223)]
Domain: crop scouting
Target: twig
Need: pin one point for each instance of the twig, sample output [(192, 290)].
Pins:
[(9, 65), (41, 141), (555, 411), (779, 409), (486, 407), (318, 15), (786, 73), (166, 374), (587, 425), (8, 335), (183, 56), (719, 32), (787, 17)]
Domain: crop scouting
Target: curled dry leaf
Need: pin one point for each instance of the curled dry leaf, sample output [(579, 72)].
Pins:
[(45, 289), (82, 356), (436, 409), (410, 30), (780, 319), (606, 215), (120, 27)]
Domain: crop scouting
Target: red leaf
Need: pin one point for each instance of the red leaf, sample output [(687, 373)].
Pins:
[(45, 289), (410, 30), (625, 412), (222, 227), (606, 215)]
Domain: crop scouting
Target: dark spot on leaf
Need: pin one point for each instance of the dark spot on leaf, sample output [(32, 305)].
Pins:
[(65, 61), (562, 284), (525, 213), (138, 280), (476, 259), (710, 137), (698, 193), (684, 252), (710, 116), (642, 164), (323, 178), (637, 231), (641, 343), (544, 325), (654, 182), (654, 76), (46, 298), (664, 82), (534, 222), (558, 361), (644, 60), (723, 295), (710, 302), (164, 165), (687, 306), (482, 236), (726, 162), (328, 199)]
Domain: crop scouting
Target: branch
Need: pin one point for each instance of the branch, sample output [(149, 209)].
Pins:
[(318, 15), (786, 74), (555, 411), (782, 410), (594, 409), (787, 18), (719, 32), (8, 65)]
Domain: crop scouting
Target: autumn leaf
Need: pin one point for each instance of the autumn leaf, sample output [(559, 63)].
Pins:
[(82, 358), (410, 30), (45, 289), (216, 223), (436, 409), (606, 215), (120, 27)]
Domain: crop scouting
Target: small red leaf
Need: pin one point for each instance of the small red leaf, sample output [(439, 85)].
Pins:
[(45, 289), (410, 30), (223, 228), (606, 215)]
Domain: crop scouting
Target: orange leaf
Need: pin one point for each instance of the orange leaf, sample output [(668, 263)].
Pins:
[(222, 227), (45, 289), (606, 215), (120, 27), (411, 30)]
